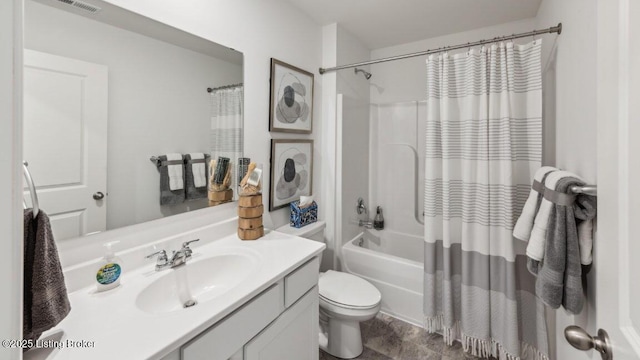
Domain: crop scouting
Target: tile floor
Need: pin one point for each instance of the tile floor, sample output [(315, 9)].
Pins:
[(387, 338)]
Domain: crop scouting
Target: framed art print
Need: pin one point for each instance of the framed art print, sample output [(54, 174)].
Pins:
[(291, 100), (291, 171)]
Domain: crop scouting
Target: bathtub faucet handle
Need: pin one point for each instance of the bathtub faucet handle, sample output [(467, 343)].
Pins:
[(361, 208)]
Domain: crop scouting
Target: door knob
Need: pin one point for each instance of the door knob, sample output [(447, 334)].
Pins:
[(581, 340), (98, 196)]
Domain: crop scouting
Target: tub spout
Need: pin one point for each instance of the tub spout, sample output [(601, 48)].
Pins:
[(368, 224)]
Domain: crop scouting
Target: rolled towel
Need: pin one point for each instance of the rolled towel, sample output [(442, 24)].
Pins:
[(523, 227), (176, 177), (585, 237), (45, 300), (536, 246), (196, 176), (585, 212)]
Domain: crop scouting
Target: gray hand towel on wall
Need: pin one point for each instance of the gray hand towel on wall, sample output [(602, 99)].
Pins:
[(45, 301), (168, 197), (559, 281), (192, 191)]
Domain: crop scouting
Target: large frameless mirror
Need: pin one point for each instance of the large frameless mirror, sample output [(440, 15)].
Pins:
[(122, 115)]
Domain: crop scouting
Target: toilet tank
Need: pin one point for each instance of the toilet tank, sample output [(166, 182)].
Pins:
[(313, 231)]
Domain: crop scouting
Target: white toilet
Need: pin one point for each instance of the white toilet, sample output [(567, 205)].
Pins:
[(345, 301)]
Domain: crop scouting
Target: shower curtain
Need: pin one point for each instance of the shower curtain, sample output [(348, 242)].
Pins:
[(483, 143), (226, 125)]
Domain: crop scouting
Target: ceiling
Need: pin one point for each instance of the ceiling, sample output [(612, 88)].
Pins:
[(382, 23)]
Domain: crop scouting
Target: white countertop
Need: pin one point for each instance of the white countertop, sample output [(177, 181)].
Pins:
[(119, 329)]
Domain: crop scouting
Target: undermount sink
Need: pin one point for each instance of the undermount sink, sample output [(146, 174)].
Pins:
[(196, 282)]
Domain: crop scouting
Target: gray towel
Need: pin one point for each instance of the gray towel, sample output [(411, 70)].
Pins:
[(559, 280), (168, 197), (194, 192), (45, 293)]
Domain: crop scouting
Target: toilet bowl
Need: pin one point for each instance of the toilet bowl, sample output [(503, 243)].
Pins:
[(345, 301)]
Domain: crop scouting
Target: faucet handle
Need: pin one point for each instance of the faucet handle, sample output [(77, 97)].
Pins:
[(185, 245), (162, 255)]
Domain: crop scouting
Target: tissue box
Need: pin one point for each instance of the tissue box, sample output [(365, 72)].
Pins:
[(305, 216)]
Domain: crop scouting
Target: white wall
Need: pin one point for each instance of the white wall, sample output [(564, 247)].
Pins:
[(405, 80), (10, 177), (397, 164), (571, 59), (157, 103), (330, 174), (353, 134)]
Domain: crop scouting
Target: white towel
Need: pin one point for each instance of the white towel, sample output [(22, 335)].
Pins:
[(523, 227), (198, 170), (585, 240), (176, 181), (537, 240)]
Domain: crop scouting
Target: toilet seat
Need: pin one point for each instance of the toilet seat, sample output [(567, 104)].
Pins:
[(348, 291)]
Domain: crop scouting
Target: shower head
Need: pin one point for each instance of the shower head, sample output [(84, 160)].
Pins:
[(367, 75)]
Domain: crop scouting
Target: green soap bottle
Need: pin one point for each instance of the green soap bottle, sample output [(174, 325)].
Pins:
[(110, 270)]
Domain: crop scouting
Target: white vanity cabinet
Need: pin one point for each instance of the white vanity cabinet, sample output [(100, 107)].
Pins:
[(294, 335), (279, 323)]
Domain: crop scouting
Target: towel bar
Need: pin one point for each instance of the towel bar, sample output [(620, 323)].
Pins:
[(156, 160), (586, 189), (32, 190)]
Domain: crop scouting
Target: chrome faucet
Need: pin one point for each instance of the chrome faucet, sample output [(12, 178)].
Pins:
[(368, 224), (178, 258)]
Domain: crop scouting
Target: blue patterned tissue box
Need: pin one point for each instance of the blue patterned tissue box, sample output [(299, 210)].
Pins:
[(301, 217)]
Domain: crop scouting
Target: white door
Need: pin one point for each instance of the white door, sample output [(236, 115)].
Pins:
[(617, 246), (65, 140)]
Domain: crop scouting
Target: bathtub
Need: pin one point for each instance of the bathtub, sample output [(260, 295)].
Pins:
[(393, 262)]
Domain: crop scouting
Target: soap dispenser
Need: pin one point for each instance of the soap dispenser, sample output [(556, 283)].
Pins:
[(108, 274), (378, 221)]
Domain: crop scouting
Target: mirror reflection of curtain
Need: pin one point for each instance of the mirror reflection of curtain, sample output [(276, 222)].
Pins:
[(226, 125)]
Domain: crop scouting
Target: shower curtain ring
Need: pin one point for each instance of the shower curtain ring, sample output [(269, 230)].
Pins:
[(468, 49)]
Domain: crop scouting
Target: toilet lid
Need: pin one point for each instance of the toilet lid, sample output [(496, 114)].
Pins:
[(347, 289)]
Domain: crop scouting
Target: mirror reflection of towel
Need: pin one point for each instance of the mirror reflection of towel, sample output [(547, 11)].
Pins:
[(176, 177), (167, 195), (45, 293), (196, 176)]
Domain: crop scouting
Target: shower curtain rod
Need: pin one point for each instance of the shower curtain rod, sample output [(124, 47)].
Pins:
[(224, 87), (551, 30)]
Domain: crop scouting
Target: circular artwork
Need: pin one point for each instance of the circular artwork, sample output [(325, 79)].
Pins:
[(292, 100), (293, 175)]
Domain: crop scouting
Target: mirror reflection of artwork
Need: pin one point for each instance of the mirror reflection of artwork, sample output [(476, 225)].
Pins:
[(291, 99), (291, 171)]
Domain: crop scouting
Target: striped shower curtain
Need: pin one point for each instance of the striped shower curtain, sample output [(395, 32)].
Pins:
[(483, 144), (226, 136)]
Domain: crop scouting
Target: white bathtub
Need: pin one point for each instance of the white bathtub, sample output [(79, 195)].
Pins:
[(393, 262)]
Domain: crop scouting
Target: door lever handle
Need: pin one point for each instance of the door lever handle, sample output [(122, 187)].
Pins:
[(581, 340)]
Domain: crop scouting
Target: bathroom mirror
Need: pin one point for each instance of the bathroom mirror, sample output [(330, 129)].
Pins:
[(105, 91)]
